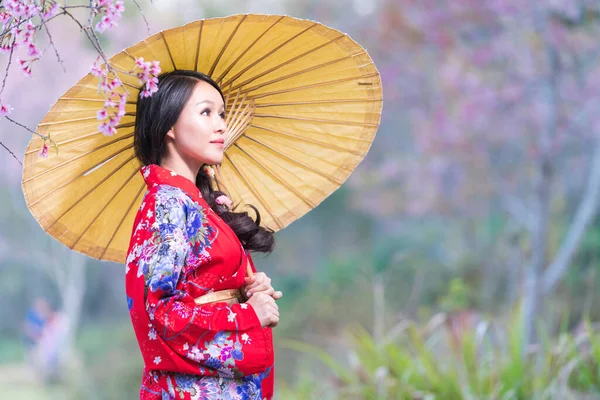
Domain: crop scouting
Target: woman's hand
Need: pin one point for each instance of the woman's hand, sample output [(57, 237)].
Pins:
[(265, 308), (260, 283)]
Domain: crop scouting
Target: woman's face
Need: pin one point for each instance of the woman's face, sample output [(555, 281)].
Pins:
[(199, 133)]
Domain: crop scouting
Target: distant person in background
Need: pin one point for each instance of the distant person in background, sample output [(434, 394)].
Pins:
[(35, 321)]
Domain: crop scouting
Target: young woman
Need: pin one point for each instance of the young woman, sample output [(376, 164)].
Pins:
[(186, 277)]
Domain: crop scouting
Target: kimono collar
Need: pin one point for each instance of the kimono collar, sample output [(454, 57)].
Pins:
[(156, 175)]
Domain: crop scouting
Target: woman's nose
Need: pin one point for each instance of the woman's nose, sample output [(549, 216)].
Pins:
[(220, 125)]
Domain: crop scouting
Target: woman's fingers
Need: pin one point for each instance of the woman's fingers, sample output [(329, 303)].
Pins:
[(277, 295)]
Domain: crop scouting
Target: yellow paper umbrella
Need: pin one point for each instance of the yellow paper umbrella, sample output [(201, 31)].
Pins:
[(303, 100)]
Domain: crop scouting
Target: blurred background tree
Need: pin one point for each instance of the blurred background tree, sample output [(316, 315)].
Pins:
[(474, 214)]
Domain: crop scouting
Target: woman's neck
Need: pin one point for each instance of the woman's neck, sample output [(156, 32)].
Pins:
[(180, 167)]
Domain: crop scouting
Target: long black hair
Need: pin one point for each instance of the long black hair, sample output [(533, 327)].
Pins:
[(157, 114)]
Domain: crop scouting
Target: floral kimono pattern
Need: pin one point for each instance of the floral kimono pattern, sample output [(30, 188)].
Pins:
[(180, 250)]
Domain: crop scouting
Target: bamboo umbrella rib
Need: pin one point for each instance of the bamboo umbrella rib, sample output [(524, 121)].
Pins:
[(278, 178), (254, 192), (314, 85), (130, 84), (162, 35), (48, 170), (234, 108), (82, 99), (105, 206), (293, 160), (220, 78), (212, 69), (262, 74), (78, 176), (127, 54), (198, 45), (67, 121), (298, 73), (135, 198), (78, 138), (269, 54), (126, 125), (314, 102), (319, 120), (237, 125), (307, 140), (106, 177)]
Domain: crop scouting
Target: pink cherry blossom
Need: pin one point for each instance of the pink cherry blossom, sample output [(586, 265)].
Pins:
[(32, 51), (5, 109), (25, 67), (102, 114), (224, 201), (44, 152), (155, 70), (96, 70), (51, 12)]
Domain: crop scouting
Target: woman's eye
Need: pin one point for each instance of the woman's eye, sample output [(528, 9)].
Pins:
[(223, 115), (205, 111)]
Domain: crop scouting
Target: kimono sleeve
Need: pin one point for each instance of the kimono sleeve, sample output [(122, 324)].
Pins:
[(187, 328)]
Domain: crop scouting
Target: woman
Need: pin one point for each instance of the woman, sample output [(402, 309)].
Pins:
[(187, 247)]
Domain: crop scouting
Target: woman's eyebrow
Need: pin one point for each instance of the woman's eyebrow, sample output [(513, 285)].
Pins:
[(209, 102)]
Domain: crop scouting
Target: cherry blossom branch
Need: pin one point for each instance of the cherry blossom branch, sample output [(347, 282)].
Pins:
[(60, 61), (11, 153), (143, 15), (7, 68), (16, 19)]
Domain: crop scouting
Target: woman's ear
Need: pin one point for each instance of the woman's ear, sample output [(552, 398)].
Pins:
[(171, 133)]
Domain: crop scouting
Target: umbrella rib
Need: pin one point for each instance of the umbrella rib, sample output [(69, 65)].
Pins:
[(44, 172), (307, 140), (247, 50), (89, 191), (123, 219), (269, 54), (104, 208), (78, 176), (324, 121), (258, 196), (298, 73), (198, 46), (278, 178), (82, 99), (68, 120), (314, 85), (162, 35), (212, 69), (309, 102), (76, 139), (305, 166), (262, 74)]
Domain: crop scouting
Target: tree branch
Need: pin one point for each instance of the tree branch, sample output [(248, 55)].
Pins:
[(143, 15), (29, 130), (60, 61), (13, 154), (584, 215), (7, 68)]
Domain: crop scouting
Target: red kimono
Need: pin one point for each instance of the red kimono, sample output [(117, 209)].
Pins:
[(181, 249)]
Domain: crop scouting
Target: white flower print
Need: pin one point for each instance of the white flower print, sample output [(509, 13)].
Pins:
[(152, 334), (246, 339), (157, 360), (244, 306), (150, 214), (186, 346), (231, 316), (151, 316), (146, 172), (173, 173)]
